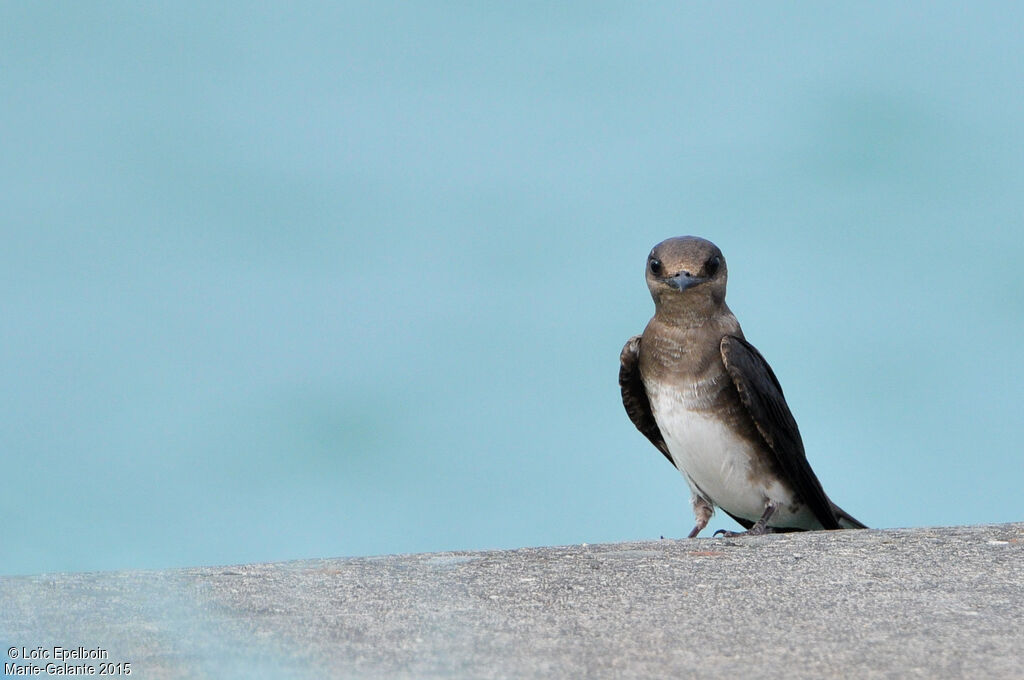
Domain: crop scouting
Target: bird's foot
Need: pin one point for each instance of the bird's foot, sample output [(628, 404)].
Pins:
[(728, 534), (754, 531), (760, 526)]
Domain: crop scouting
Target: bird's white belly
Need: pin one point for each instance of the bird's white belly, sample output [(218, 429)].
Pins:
[(717, 463)]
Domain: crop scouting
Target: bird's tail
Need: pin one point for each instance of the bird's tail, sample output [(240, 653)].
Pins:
[(846, 520)]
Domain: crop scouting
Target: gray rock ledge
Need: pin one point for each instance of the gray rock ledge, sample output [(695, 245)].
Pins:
[(928, 603)]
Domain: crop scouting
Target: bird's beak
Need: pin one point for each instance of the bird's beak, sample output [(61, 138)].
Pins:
[(684, 280)]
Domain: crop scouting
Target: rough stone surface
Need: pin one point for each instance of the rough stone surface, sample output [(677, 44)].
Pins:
[(928, 603)]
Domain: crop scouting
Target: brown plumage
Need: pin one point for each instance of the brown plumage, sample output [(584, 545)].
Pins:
[(712, 405)]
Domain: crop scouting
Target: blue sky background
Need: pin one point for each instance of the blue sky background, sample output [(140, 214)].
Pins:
[(300, 280)]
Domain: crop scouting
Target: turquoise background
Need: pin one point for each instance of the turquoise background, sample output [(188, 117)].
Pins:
[(296, 280)]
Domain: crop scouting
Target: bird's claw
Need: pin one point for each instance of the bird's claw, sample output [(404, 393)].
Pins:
[(729, 534)]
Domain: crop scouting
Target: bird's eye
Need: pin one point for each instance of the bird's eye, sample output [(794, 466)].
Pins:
[(655, 265), (712, 265)]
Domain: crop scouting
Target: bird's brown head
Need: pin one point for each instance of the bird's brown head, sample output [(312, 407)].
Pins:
[(686, 276)]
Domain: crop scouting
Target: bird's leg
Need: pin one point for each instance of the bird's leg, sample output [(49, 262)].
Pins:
[(702, 510), (760, 526)]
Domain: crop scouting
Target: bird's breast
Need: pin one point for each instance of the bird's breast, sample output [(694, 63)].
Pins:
[(718, 459)]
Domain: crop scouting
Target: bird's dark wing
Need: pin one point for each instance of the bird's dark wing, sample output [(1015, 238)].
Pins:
[(762, 395), (634, 395), (849, 519)]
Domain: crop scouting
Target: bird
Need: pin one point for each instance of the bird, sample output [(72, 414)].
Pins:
[(711, 404)]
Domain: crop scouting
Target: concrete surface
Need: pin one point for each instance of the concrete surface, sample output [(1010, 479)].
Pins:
[(928, 603)]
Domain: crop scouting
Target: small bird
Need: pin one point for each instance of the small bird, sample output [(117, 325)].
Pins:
[(709, 401)]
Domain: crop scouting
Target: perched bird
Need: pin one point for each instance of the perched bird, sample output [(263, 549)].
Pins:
[(712, 405)]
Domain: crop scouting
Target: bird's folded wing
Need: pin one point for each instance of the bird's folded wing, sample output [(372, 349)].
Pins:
[(762, 395), (634, 396)]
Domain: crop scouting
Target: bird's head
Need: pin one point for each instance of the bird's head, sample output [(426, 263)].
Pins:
[(686, 274)]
